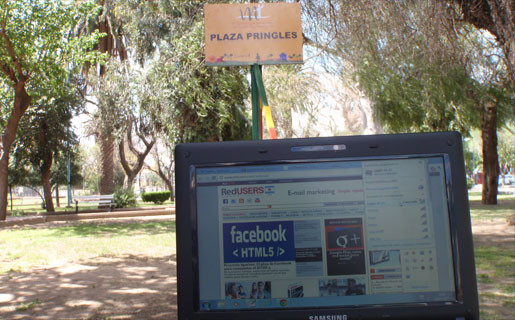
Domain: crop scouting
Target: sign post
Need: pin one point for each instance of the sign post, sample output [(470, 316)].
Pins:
[(257, 127), (254, 34)]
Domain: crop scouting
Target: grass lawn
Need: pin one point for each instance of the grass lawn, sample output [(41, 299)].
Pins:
[(495, 263), (27, 248), (495, 273)]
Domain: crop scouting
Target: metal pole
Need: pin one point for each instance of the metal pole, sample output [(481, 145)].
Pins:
[(69, 178), (256, 110)]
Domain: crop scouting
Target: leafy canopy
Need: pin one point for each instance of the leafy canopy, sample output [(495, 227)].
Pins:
[(38, 44)]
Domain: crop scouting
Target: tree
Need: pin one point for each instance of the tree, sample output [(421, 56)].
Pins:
[(44, 134), (112, 43), (498, 18), (34, 58), (290, 90), (131, 171), (142, 98), (208, 103), (126, 104), (507, 151), (164, 168), (416, 62), (194, 102), (22, 173)]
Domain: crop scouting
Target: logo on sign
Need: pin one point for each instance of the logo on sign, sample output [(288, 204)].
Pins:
[(252, 13)]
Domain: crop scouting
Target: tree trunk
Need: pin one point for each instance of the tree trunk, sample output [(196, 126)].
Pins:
[(21, 102), (167, 181), (57, 202), (107, 162), (498, 17), (47, 188), (107, 44), (170, 188), (490, 157), (11, 195), (131, 173)]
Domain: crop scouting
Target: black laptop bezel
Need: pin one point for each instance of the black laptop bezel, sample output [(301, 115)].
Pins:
[(188, 157)]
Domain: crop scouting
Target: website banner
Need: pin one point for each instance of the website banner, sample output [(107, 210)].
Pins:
[(258, 242), (345, 249)]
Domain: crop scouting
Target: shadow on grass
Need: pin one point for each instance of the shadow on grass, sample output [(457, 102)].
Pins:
[(502, 204), (120, 229), (128, 287), (502, 209)]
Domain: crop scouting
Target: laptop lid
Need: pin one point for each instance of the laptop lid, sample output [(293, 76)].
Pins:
[(360, 227)]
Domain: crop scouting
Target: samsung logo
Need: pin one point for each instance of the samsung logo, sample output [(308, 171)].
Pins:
[(329, 317)]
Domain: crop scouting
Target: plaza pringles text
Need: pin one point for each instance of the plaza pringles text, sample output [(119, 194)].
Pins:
[(275, 35)]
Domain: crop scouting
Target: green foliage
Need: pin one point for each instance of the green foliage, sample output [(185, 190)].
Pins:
[(59, 173), (193, 102), (208, 102), (156, 197), (40, 35), (45, 135), (419, 96), (124, 198), (506, 149), (16, 213), (470, 182), (38, 53), (420, 74)]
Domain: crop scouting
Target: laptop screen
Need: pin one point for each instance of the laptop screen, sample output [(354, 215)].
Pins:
[(305, 234), (323, 232)]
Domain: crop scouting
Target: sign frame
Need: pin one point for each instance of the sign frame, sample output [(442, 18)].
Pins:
[(253, 33)]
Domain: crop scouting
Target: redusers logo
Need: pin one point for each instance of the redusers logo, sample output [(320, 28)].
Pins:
[(242, 190)]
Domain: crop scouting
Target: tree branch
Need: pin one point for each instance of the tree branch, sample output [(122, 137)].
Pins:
[(9, 72), (130, 143), (10, 51), (142, 137), (89, 101), (123, 158), (37, 63), (317, 45)]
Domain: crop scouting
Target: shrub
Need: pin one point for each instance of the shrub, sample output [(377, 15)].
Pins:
[(124, 198), (470, 183), (155, 197)]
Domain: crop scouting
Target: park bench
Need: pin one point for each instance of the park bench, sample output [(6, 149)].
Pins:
[(103, 201)]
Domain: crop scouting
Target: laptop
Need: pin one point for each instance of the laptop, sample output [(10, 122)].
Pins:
[(335, 228)]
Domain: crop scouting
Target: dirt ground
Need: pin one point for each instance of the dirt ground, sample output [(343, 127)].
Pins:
[(123, 288), (126, 287), (137, 287)]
